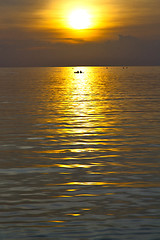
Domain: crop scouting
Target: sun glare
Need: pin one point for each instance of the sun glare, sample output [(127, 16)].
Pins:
[(79, 19)]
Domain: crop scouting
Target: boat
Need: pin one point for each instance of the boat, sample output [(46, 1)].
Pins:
[(78, 72)]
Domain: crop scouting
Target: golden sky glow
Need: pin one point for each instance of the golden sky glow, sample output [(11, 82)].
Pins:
[(38, 25), (103, 19), (72, 20), (96, 21)]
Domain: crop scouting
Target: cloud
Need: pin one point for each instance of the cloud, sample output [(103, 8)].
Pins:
[(126, 50), (27, 40), (21, 3), (19, 12)]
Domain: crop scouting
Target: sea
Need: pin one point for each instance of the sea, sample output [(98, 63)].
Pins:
[(80, 153)]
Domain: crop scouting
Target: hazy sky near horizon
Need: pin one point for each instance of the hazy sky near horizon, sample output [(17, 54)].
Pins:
[(38, 33)]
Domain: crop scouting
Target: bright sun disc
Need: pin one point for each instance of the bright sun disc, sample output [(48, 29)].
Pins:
[(79, 19)]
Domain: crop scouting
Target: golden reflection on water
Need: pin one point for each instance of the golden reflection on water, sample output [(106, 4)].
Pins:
[(81, 148), (133, 184), (71, 190), (81, 108), (80, 124), (73, 214), (55, 221)]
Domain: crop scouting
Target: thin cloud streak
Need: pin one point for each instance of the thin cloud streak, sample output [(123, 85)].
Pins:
[(126, 50)]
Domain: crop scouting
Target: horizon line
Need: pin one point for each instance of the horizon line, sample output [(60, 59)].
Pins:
[(80, 66)]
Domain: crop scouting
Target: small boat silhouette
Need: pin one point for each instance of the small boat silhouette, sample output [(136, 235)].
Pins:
[(78, 72)]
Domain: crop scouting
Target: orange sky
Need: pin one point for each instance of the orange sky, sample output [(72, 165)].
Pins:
[(27, 22), (108, 18)]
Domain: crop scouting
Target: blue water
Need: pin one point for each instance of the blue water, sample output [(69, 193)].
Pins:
[(80, 153)]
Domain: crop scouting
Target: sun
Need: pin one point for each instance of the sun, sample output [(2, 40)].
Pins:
[(80, 19)]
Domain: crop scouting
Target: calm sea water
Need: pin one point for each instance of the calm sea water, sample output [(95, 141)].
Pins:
[(80, 153)]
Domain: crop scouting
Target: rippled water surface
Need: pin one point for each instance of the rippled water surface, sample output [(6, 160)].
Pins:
[(80, 153)]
